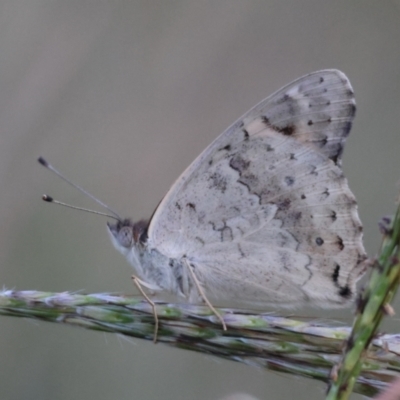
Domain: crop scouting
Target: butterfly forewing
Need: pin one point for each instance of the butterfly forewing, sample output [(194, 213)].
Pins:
[(265, 214)]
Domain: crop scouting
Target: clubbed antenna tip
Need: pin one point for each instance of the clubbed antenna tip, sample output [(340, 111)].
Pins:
[(42, 161), (47, 198)]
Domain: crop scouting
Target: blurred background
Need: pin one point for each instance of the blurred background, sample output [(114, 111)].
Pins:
[(121, 96)]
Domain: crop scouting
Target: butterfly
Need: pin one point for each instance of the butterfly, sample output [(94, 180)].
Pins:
[(264, 214)]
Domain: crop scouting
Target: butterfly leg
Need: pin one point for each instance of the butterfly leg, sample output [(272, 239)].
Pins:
[(202, 294), (139, 283)]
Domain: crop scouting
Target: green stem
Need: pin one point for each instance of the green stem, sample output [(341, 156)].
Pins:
[(303, 348)]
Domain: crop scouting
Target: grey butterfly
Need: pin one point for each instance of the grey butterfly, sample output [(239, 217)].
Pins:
[(264, 215)]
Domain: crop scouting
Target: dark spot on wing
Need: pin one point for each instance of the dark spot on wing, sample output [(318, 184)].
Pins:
[(339, 242), (303, 196), (335, 275), (178, 206), (292, 157), (321, 79), (239, 164), (345, 292), (323, 142), (288, 130), (265, 120), (309, 123), (326, 193), (319, 241), (338, 153), (333, 215), (191, 206), (284, 204), (227, 148), (289, 180), (246, 134)]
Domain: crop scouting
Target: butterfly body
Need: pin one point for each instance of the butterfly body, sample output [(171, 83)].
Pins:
[(264, 215)]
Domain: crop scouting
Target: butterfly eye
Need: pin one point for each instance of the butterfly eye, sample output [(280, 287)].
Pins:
[(125, 236)]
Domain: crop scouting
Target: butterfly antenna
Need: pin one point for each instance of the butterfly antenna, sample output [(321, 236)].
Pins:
[(49, 199)]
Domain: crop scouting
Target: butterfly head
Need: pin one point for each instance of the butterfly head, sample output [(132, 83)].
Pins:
[(125, 234)]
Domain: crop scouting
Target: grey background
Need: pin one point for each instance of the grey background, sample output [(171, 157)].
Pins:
[(122, 96)]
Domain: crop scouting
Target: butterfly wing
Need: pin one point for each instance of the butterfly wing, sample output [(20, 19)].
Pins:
[(265, 214)]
